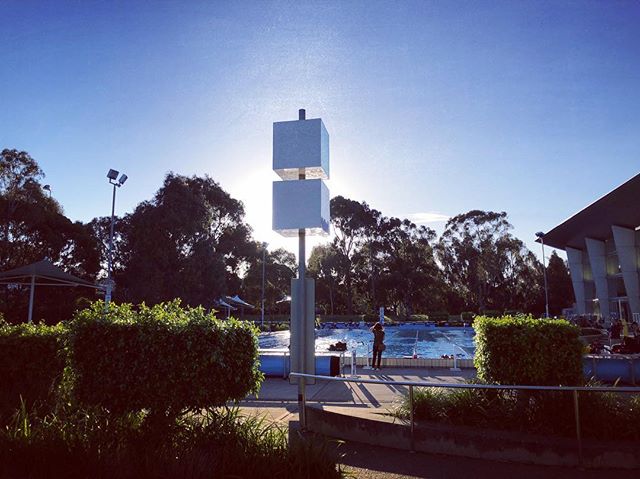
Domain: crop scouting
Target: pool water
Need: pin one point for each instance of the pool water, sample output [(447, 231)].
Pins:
[(401, 341)]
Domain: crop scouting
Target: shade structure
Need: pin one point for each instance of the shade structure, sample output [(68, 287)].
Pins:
[(236, 299), (42, 273)]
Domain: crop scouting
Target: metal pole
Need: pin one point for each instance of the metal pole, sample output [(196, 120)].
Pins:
[(264, 253), (33, 287), (578, 435), (302, 303), (303, 404), (411, 416), (107, 295), (544, 269)]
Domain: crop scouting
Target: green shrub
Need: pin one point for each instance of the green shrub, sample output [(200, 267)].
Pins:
[(419, 317), (164, 358), (606, 416), (523, 350), (438, 316), (31, 364), (216, 443)]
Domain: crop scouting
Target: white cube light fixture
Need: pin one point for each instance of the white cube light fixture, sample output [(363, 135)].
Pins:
[(301, 146), (301, 204)]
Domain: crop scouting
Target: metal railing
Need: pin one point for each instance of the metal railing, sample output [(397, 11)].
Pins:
[(575, 390)]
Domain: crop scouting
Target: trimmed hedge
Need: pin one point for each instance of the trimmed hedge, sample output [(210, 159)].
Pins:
[(523, 350), (31, 364), (164, 358)]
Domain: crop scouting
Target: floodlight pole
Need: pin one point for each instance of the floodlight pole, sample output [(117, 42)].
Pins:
[(107, 294), (544, 272), (264, 255)]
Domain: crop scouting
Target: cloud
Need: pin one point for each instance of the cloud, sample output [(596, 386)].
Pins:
[(428, 217)]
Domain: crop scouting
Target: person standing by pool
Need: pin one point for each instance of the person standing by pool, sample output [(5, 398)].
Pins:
[(378, 344)]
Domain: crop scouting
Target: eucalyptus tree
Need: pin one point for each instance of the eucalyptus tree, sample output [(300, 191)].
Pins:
[(326, 265), (354, 224), (410, 275), (34, 227), (190, 241), (469, 253), (280, 267), (559, 282)]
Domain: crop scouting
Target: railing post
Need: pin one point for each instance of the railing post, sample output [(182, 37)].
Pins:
[(302, 403), (578, 435), (411, 408)]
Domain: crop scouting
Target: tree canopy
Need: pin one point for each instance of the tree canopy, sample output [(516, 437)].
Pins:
[(190, 241)]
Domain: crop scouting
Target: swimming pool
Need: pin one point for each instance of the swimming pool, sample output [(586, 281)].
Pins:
[(429, 342)]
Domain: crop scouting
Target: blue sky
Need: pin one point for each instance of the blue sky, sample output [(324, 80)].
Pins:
[(434, 108)]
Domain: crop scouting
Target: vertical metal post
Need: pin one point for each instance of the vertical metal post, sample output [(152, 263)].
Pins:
[(411, 409), (544, 271), (33, 287), (302, 305), (578, 435), (107, 294), (303, 403), (264, 255)]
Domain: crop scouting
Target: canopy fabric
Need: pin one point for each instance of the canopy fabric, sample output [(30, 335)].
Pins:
[(42, 273), (225, 304), (45, 273), (236, 299)]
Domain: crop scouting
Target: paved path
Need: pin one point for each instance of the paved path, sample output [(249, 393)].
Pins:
[(277, 401)]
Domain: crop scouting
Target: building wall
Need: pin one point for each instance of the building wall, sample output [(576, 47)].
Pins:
[(606, 270)]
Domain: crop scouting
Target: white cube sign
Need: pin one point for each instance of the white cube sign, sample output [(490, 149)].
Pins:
[(301, 204), (301, 146)]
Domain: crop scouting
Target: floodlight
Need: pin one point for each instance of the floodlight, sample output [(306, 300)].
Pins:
[(47, 187), (540, 234), (113, 175), (122, 179)]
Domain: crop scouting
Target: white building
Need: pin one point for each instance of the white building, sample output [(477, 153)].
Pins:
[(603, 250)]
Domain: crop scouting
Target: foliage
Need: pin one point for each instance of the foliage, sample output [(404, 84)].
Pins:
[(33, 227), (79, 443), (164, 358), (438, 316), (524, 350), (602, 415), (279, 268), (31, 364), (559, 285), (485, 266), (354, 225), (409, 275), (189, 241)]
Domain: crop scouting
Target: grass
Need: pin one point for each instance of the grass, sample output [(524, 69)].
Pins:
[(215, 443), (602, 415)]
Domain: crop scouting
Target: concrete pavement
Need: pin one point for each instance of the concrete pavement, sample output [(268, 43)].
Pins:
[(277, 401)]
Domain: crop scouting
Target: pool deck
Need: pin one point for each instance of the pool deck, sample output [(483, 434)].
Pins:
[(278, 398), (277, 402)]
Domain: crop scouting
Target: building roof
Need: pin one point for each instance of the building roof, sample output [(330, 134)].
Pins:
[(620, 207)]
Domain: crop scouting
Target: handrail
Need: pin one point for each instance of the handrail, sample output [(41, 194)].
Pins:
[(412, 384)]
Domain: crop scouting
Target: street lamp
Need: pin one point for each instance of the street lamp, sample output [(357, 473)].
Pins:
[(113, 180), (540, 235), (47, 188), (264, 254)]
